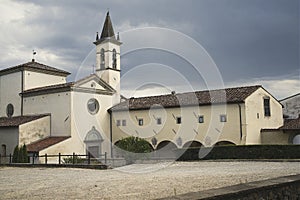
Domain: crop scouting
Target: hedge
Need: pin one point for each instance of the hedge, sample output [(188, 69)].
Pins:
[(240, 152)]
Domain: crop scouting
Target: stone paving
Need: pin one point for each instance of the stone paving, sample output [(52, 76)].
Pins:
[(138, 181)]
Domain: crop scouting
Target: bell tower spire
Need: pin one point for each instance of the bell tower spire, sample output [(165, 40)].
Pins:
[(108, 55)]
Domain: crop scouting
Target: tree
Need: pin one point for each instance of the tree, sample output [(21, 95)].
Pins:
[(15, 155), (133, 148), (24, 154), (20, 154)]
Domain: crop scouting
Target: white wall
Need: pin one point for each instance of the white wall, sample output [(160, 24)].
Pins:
[(37, 79), (111, 77), (10, 87), (255, 119), (83, 121), (207, 133), (9, 136), (58, 105)]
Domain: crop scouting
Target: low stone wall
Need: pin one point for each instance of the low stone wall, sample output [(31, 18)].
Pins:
[(279, 188)]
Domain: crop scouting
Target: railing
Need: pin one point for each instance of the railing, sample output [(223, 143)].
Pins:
[(62, 159)]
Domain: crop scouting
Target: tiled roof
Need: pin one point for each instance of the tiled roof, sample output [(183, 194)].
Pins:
[(19, 120), (48, 89), (35, 66), (288, 125), (44, 143), (228, 95), (291, 124)]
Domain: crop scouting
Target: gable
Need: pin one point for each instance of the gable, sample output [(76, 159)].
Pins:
[(93, 84)]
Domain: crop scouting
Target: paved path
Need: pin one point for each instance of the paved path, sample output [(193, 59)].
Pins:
[(144, 181)]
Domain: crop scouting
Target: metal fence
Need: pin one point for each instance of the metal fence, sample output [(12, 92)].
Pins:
[(61, 159)]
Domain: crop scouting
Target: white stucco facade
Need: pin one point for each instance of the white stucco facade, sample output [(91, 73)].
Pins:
[(80, 117)]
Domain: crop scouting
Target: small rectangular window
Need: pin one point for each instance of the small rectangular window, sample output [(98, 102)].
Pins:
[(141, 122), (267, 107), (158, 121), (178, 120), (118, 122), (223, 118), (201, 119), (123, 122)]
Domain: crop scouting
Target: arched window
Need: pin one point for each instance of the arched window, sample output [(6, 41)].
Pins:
[(102, 59), (3, 150), (114, 59), (9, 110)]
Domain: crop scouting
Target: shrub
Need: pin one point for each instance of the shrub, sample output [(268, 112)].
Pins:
[(133, 148), (69, 160)]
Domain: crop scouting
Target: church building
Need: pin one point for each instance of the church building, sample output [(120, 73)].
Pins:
[(39, 108)]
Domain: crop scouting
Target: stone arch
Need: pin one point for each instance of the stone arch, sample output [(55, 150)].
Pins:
[(224, 143), (192, 144), (93, 141), (166, 149)]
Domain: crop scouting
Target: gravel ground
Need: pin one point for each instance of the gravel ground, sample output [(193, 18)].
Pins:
[(139, 181)]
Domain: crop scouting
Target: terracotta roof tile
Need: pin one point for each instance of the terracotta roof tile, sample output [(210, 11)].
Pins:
[(291, 124), (19, 120), (50, 88), (44, 143), (228, 95), (35, 66)]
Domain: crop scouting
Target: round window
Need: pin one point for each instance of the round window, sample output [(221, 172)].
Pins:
[(9, 110), (93, 106)]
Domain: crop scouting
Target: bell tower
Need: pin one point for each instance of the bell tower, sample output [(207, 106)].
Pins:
[(108, 55)]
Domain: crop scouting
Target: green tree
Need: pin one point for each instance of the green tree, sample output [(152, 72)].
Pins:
[(15, 155), (20, 154), (24, 154), (133, 148)]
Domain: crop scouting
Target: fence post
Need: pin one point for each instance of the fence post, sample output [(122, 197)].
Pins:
[(73, 160), (105, 157), (0, 159), (46, 159), (89, 158), (10, 160), (59, 155), (33, 156)]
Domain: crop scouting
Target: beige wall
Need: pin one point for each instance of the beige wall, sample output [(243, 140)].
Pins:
[(10, 87), (255, 119), (207, 133), (34, 130), (36, 79), (58, 105)]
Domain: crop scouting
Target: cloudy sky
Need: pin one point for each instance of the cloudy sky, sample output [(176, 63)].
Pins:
[(248, 41)]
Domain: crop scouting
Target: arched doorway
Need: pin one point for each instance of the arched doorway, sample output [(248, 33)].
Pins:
[(224, 143), (93, 142), (166, 149), (192, 144)]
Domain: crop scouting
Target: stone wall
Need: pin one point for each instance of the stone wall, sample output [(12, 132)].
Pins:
[(279, 188)]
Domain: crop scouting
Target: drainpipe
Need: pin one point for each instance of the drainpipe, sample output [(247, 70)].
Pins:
[(110, 129), (241, 128), (22, 90)]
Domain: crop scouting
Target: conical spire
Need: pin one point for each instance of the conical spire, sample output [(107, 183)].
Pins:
[(107, 31)]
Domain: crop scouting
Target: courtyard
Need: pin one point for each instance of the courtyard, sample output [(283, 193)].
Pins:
[(137, 181)]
